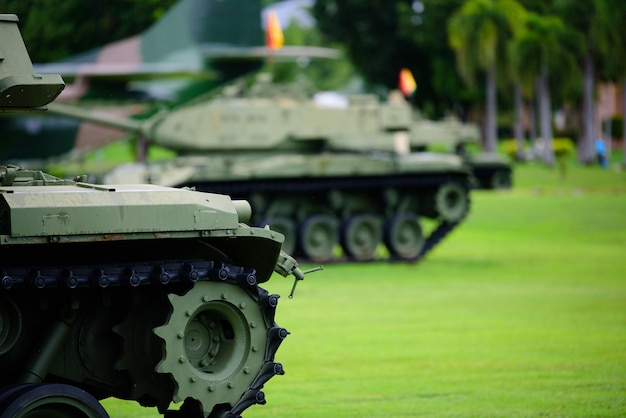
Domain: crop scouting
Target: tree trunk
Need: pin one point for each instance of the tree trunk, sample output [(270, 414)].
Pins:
[(490, 118), (533, 127), (545, 116), (585, 147), (624, 120), (518, 127)]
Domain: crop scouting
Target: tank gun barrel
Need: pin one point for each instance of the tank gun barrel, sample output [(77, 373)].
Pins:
[(131, 125), (244, 210)]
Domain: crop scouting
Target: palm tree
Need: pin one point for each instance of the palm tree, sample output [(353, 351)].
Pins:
[(612, 40), (518, 126), (588, 18), (544, 47), (478, 32)]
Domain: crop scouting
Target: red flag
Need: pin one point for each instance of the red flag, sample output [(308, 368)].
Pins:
[(406, 82), (273, 33)]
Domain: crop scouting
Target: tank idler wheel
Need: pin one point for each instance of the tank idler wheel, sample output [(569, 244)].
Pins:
[(286, 227), (403, 236), (501, 179), (49, 400), (361, 235), (451, 202), (318, 237)]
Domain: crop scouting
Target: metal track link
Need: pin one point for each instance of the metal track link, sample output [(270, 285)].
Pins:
[(130, 275), (442, 230)]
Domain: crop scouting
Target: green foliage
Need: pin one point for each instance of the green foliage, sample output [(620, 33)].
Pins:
[(546, 44), (54, 30), (479, 33), (594, 28), (509, 147), (611, 14), (562, 147), (383, 37), (325, 74)]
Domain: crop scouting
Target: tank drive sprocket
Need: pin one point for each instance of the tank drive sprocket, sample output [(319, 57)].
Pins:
[(219, 344)]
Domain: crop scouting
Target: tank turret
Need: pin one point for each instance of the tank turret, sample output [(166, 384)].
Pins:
[(139, 292), (20, 87)]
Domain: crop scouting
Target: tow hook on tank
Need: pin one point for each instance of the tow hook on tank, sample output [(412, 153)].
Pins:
[(287, 265)]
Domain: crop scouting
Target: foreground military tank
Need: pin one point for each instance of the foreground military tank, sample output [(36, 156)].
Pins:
[(138, 292), (334, 180)]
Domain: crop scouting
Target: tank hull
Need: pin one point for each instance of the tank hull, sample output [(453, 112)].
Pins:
[(138, 292)]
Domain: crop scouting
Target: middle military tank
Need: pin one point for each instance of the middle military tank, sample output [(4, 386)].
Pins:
[(337, 179)]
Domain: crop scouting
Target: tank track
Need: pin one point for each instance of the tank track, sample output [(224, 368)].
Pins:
[(443, 229), (309, 187), (493, 177), (175, 278), (131, 275)]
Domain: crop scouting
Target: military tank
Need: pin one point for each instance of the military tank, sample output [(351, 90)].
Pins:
[(490, 170), (335, 180), (139, 292)]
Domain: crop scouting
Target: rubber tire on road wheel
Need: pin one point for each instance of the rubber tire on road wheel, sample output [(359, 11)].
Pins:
[(404, 237), (501, 179), (451, 202), (318, 236), (50, 400), (361, 235)]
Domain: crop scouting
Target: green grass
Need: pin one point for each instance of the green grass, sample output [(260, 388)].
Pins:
[(521, 312), (105, 159)]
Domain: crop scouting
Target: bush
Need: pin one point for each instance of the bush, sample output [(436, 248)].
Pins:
[(509, 147), (562, 147)]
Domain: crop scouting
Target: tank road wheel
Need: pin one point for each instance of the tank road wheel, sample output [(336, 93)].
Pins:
[(403, 236), (501, 179), (451, 202), (49, 401), (318, 237), (286, 227), (218, 346), (361, 235)]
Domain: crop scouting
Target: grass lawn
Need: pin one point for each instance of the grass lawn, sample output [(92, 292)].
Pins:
[(521, 312)]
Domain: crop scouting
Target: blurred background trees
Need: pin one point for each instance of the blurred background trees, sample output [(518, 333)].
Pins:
[(549, 51), (497, 62), (54, 30)]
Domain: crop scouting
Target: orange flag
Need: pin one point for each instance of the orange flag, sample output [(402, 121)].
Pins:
[(406, 82), (273, 33)]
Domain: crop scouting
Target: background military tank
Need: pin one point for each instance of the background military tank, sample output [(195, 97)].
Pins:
[(490, 170), (139, 292), (326, 176)]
